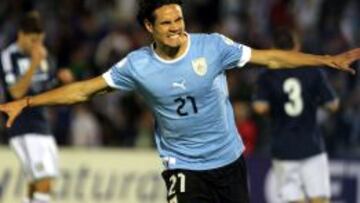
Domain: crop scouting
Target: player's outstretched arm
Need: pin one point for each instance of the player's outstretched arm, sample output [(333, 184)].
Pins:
[(276, 59), (65, 95)]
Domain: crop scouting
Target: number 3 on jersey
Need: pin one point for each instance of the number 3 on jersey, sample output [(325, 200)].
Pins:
[(295, 105)]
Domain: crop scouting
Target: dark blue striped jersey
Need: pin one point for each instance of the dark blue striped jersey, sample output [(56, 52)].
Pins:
[(13, 65), (294, 97)]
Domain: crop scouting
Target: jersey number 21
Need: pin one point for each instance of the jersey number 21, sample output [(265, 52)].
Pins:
[(182, 102)]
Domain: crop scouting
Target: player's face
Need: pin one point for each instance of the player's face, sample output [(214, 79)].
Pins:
[(28, 40), (169, 27)]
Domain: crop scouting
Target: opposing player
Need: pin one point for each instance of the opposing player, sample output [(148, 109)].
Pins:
[(182, 78), (292, 98), (25, 69)]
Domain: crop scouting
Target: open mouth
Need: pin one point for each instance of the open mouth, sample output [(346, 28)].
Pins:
[(174, 36)]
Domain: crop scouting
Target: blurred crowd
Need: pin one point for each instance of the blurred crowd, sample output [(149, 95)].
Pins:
[(88, 36)]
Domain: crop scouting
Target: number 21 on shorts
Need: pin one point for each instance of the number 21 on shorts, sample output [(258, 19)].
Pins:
[(174, 187)]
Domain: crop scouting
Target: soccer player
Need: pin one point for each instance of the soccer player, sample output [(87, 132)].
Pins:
[(25, 69), (182, 78), (292, 98)]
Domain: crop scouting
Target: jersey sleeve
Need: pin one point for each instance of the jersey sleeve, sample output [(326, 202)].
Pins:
[(119, 76), (7, 75), (2, 84), (232, 54), (261, 91), (326, 92), (2, 75)]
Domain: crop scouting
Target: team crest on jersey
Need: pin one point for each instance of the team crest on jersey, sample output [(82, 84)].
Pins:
[(199, 66)]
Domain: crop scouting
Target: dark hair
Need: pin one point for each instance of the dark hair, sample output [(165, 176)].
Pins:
[(147, 8), (283, 38), (31, 23)]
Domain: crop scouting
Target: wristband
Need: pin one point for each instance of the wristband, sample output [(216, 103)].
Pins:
[(27, 99)]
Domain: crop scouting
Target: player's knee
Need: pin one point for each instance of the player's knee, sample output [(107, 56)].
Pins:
[(320, 200), (43, 185)]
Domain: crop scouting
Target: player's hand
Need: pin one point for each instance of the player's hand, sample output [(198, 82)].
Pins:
[(344, 60), (65, 76), (38, 53), (12, 110)]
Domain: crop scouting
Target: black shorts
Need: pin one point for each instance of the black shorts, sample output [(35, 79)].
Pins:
[(227, 184)]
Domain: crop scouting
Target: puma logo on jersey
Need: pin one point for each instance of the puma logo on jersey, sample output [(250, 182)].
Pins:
[(180, 84)]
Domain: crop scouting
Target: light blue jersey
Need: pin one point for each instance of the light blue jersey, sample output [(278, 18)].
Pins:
[(195, 127)]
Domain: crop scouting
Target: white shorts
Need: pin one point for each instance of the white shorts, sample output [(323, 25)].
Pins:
[(38, 155), (306, 178)]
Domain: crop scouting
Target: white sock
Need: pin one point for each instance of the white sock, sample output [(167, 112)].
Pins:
[(40, 198), (26, 200)]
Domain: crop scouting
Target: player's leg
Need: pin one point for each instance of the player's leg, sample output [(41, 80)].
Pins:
[(230, 182), (185, 186), (17, 145), (288, 181), (319, 200), (31, 190), (39, 158), (316, 177), (42, 190), (44, 166), (43, 185)]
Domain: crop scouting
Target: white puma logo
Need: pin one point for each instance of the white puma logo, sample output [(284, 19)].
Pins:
[(180, 84)]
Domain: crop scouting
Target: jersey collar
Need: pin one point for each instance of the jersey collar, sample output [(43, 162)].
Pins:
[(173, 60)]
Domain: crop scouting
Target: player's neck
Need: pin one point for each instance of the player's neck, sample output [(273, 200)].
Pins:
[(170, 53)]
